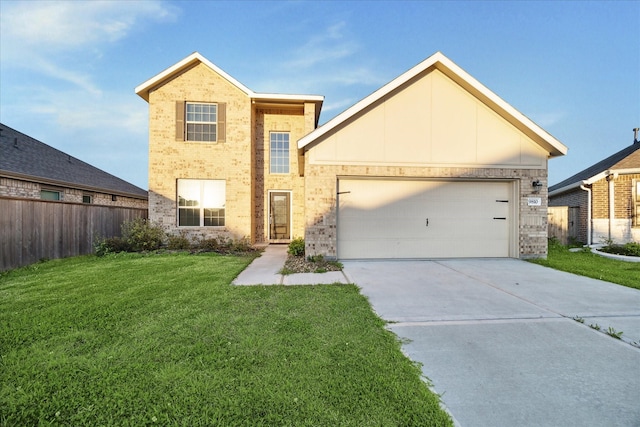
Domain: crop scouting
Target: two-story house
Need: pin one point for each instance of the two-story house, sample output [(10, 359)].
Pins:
[(433, 164)]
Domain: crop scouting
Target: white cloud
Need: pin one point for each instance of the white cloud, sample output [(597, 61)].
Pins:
[(338, 106), (51, 54), (64, 25), (329, 46), (329, 62), (549, 118), (39, 35)]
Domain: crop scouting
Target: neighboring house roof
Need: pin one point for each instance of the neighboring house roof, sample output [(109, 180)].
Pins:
[(143, 89), (598, 171), (26, 158), (461, 77)]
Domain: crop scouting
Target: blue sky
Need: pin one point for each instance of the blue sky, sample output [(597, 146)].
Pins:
[(68, 69)]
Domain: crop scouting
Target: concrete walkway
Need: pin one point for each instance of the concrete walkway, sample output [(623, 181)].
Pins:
[(498, 341), (264, 271)]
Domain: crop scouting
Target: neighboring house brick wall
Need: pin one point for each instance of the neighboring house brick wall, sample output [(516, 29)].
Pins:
[(18, 188), (629, 162), (31, 190), (576, 198), (320, 182), (622, 228), (171, 159)]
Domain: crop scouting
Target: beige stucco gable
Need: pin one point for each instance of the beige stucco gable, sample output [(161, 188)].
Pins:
[(429, 121)]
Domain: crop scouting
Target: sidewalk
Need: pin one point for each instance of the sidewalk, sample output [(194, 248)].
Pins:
[(264, 271)]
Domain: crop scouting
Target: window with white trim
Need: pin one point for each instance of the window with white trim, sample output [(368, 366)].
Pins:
[(202, 122), (201, 203), (279, 152)]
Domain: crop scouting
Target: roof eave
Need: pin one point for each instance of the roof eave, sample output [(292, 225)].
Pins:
[(143, 89), (594, 178)]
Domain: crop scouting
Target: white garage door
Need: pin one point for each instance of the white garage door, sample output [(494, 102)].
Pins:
[(381, 218)]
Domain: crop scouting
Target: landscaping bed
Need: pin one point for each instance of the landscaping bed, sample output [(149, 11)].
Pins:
[(300, 264), (628, 249)]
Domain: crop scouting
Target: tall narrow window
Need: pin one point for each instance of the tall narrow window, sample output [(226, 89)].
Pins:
[(636, 203), (201, 203), (279, 158), (202, 122)]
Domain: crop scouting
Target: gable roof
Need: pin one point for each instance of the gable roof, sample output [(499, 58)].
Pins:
[(461, 77), (593, 172), (143, 89), (23, 157)]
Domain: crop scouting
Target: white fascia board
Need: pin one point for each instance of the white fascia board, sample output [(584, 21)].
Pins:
[(566, 188), (450, 69), (594, 178), (627, 171), (143, 89), (286, 97)]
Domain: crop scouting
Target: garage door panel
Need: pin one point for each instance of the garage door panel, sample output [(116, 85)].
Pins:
[(423, 219)]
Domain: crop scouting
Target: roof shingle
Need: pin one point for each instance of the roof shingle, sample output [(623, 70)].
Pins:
[(24, 156), (597, 168)]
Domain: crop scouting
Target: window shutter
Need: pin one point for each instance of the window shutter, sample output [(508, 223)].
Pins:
[(222, 119), (180, 121)]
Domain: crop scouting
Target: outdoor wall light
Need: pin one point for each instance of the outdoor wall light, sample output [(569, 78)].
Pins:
[(537, 185)]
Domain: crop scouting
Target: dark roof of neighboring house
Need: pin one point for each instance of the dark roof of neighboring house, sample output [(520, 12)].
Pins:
[(27, 158), (599, 167)]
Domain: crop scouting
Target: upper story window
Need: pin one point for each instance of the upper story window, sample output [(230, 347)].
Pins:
[(279, 152), (50, 195), (201, 203), (87, 198), (202, 122)]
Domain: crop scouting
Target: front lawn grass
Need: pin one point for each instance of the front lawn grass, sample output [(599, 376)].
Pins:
[(133, 340), (588, 264)]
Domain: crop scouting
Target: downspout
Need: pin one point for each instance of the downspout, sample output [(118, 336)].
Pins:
[(588, 190), (612, 202)]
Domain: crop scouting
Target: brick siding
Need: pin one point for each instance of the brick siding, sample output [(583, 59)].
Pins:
[(242, 160), (623, 228), (31, 190), (320, 190)]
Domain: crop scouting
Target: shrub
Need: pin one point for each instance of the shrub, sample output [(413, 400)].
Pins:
[(628, 249), (315, 258), (142, 235), (632, 248), (178, 242), (296, 247), (111, 245), (242, 245), (212, 244)]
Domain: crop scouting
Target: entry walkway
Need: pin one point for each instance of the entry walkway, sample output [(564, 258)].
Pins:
[(264, 270)]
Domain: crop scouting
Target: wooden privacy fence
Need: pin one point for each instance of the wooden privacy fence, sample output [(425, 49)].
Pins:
[(558, 221), (563, 222), (31, 230)]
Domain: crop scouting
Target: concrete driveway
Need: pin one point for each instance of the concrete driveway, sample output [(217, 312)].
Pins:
[(497, 340)]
